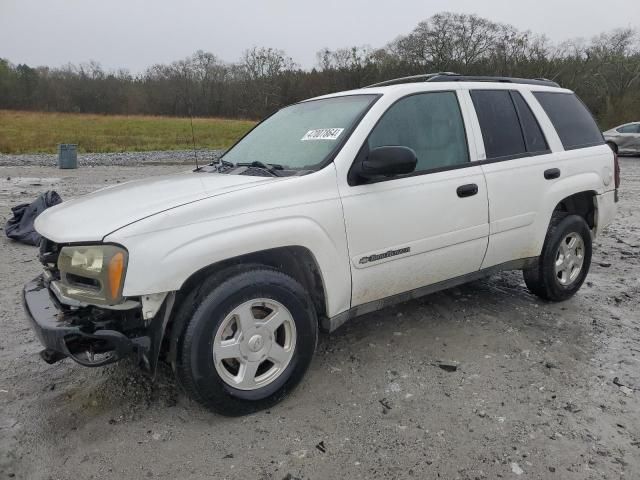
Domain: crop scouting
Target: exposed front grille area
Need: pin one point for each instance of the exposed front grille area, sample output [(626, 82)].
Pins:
[(48, 256)]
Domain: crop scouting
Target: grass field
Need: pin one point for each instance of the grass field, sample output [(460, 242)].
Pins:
[(39, 132)]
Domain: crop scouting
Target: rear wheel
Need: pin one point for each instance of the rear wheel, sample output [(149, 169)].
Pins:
[(565, 259), (247, 341)]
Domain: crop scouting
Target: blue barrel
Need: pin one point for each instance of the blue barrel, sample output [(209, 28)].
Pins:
[(67, 155)]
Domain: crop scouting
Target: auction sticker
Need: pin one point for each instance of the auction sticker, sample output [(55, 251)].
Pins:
[(322, 134)]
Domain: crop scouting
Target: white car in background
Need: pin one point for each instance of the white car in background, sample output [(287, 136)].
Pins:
[(625, 139), (331, 208)]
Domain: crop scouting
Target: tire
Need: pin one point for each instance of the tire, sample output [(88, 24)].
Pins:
[(211, 311), (542, 278)]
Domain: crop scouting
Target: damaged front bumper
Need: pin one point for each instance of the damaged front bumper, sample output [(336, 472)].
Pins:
[(90, 335)]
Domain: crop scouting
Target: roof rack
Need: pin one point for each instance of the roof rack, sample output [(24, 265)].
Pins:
[(412, 79), (455, 77)]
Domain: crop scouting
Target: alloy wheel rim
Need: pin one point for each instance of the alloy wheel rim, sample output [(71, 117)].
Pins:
[(254, 344), (569, 259)]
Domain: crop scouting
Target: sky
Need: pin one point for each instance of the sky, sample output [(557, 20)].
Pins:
[(135, 34)]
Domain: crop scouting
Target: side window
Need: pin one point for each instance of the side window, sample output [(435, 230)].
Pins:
[(571, 119), (499, 123), (429, 123), (633, 128), (533, 136)]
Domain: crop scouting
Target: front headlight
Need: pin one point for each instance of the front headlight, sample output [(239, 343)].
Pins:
[(93, 273)]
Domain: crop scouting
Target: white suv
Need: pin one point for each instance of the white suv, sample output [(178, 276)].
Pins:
[(328, 209)]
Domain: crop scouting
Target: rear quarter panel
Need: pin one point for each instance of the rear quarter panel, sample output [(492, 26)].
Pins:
[(585, 169)]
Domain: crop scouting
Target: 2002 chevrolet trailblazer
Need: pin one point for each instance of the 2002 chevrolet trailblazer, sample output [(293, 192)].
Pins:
[(328, 209)]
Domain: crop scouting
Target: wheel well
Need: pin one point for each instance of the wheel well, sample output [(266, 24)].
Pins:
[(583, 204), (297, 262)]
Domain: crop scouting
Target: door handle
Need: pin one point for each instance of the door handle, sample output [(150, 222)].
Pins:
[(467, 190), (552, 173)]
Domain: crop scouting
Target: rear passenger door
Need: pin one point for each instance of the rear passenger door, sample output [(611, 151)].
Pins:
[(518, 162), (409, 231)]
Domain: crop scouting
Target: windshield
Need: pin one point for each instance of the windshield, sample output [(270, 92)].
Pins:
[(302, 136)]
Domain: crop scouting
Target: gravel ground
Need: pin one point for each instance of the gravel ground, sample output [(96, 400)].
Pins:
[(536, 392), (123, 159)]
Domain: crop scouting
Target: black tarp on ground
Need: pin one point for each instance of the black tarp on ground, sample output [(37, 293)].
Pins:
[(20, 226)]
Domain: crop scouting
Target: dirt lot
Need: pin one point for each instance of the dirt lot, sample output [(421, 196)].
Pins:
[(535, 395)]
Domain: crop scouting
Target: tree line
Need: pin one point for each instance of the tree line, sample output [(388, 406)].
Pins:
[(604, 71)]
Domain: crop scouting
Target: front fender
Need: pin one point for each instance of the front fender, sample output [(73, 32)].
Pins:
[(166, 249)]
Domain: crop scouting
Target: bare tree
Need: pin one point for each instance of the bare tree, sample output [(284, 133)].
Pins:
[(604, 71), (260, 63)]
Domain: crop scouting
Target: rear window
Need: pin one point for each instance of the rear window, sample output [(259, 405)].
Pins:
[(573, 122)]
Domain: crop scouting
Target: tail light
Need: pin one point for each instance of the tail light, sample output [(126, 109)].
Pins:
[(616, 170)]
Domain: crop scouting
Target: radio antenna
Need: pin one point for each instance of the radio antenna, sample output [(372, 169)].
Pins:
[(187, 85), (193, 136)]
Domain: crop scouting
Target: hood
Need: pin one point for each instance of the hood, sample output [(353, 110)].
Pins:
[(92, 217)]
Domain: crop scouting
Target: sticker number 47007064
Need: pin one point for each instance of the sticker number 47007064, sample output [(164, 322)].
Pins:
[(322, 134)]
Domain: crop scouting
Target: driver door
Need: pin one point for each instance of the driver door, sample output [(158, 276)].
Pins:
[(415, 230)]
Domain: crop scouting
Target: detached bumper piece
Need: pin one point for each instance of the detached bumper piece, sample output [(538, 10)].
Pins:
[(91, 336)]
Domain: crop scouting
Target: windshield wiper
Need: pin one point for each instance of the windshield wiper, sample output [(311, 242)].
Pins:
[(269, 167), (222, 163)]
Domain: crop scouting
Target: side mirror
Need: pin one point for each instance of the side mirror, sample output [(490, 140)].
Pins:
[(388, 161)]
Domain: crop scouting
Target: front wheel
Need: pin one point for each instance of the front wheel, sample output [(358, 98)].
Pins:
[(248, 342), (565, 259)]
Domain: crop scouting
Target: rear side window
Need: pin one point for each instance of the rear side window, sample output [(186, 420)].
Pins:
[(499, 123), (429, 123), (533, 136), (573, 122)]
